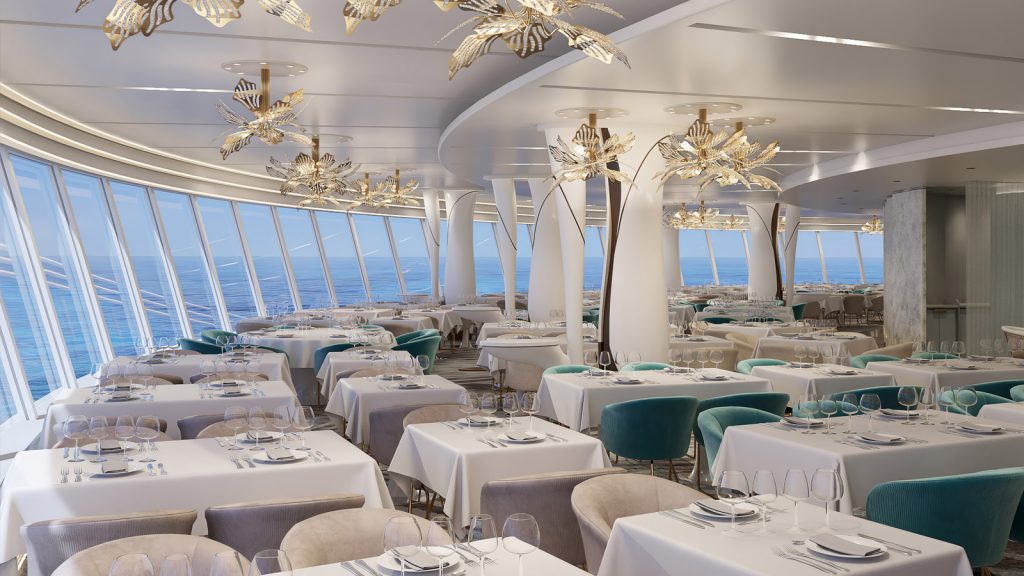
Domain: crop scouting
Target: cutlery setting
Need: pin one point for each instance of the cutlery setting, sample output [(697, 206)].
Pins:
[(793, 551), (64, 471), (779, 552), (905, 550)]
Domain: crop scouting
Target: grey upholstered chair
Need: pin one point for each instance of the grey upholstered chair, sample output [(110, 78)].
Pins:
[(432, 413), (340, 536), (216, 430), (548, 498), (250, 527), (386, 429), (70, 443), (178, 352), (96, 561), (191, 426), (598, 502), (250, 325), (155, 379), (51, 542), (199, 378)]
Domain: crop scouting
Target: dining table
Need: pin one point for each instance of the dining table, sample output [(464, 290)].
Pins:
[(339, 364), (785, 346), (475, 315), (189, 474), (759, 329), (444, 320), (801, 380), (273, 366), (954, 373), (1011, 413), (404, 323), (687, 342), (499, 563), (455, 460), (301, 343), (355, 398), (577, 399)]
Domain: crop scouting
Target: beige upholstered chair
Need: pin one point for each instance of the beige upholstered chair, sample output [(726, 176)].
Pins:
[(69, 443), (96, 561), (250, 325), (903, 350), (340, 536), (366, 373), (523, 377), (743, 343), (598, 502), (812, 310), (877, 307), (200, 379), (250, 527), (548, 498), (386, 429), (782, 350), (433, 413), (854, 305), (396, 327), (216, 430), (190, 426), (1014, 340), (51, 542)]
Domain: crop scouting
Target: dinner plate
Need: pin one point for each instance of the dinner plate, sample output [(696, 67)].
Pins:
[(714, 377), (627, 380), (339, 336), (917, 360), (532, 437), (963, 366), (299, 456), (394, 377), (453, 566), (993, 430), (882, 549), (284, 335), (238, 394), (893, 413), (840, 372), (480, 421), (108, 388), (802, 422), (128, 398), (744, 511), (131, 469), (408, 386), (980, 358), (801, 365), (843, 337), (597, 373), (675, 370), (271, 437), (892, 439)]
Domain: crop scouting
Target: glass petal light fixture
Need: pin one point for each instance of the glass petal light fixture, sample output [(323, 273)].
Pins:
[(732, 222), (318, 178), (748, 156), (589, 156), (358, 11), (270, 121), (873, 226), (701, 218), (130, 17), (387, 192)]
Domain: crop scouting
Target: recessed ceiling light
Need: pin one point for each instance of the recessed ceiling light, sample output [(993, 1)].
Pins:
[(897, 181), (969, 168), (585, 112), (746, 120), (253, 67), (694, 108)]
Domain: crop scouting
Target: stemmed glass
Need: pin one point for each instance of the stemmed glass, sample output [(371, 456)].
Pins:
[(131, 565), (965, 398), (235, 417), (590, 358), (813, 352), (530, 404), (439, 541), (124, 430), (732, 489), (926, 401), (146, 372), (826, 487), (482, 539), (828, 407), (402, 538), (98, 431), (176, 565), (207, 368), (257, 421), (282, 420), (226, 564), (764, 491), (76, 427), (303, 418), (146, 429), (907, 397), (959, 348), (469, 404), (796, 490), (716, 356), (869, 404), (621, 359), (423, 362), (800, 352), (604, 360), (520, 536), (270, 562), (510, 406), (806, 409), (947, 400), (702, 357)]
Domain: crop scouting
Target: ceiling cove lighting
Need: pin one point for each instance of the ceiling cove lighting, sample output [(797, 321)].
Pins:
[(270, 122), (319, 179)]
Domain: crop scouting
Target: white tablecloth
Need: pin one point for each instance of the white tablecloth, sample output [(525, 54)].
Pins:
[(338, 363), (784, 313), (274, 366), (754, 329), (456, 464), (301, 345), (199, 475), (169, 403), (681, 314), (445, 320), (829, 302), (697, 342), (355, 398), (1009, 413), (410, 322), (771, 447), (656, 545), (798, 382), (577, 400), (498, 329), (504, 564), (783, 348), (936, 374)]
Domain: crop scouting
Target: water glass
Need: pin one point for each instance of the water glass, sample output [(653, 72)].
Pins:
[(520, 536), (439, 541), (807, 408), (947, 400), (510, 406), (764, 491), (226, 564), (907, 397), (270, 562), (800, 352), (927, 401), (829, 408), (732, 489), (282, 420), (236, 419), (604, 359), (147, 428), (124, 430), (530, 403), (131, 565), (965, 398), (256, 422), (488, 403), (98, 431), (303, 419), (176, 565), (826, 487), (869, 404), (482, 539), (402, 538), (796, 490), (716, 356), (959, 348), (76, 427)]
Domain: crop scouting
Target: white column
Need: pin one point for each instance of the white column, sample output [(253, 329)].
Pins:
[(763, 278), (571, 204), (670, 258), (547, 288), (432, 231), (505, 236), (459, 268), (789, 246)]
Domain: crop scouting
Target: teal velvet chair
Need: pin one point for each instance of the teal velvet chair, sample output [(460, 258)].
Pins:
[(422, 346), (643, 367), (798, 310), (211, 336), (771, 402), (567, 369), (935, 356), (415, 335), (747, 366), (649, 429), (591, 316), (973, 511), (320, 356), (887, 394), (199, 346), (862, 360), (1000, 388), (1017, 393), (713, 422), (983, 399), (718, 320), (698, 307)]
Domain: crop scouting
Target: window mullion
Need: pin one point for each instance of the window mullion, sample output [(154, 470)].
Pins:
[(711, 257), (821, 256), (394, 255), (125, 261), (359, 256), (286, 259), (168, 261), (322, 251), (254, 284), (211, 266), (860, 258)]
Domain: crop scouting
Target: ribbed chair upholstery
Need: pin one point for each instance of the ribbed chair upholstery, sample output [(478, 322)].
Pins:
[(649, 428), (96, 561), (365, 373), (190, 426), (999, 388), (771, 402), (798, 310), (211, 336), (747, 366), (713, 422), (415, 335), (199, 346), (426, 346), (597, 503), (251, 527), (216, 430), (862, 360), (983, 399), (219, 376), (244, 326), (340, 536), (51, 542), (320, 356), (69, 443), (567, 369), (718, 320), (903, 350), (743, 343), (887, 394), (157, 380), (643, 367), (935, 356), (548, 498), (979, 522), (812, 310), (386, 428), (268, 349), (1017, 393), (432, 413), (177, 352)]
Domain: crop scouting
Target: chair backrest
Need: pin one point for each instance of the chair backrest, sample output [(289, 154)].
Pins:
[(903, 350), (426, 346), (935, 356), (433, 413), (649, 428), (999, 388), (747, 366), (547, 497), (190, 426), (365, 373), (244, 326), (386, 429), (212, 336), (597, 503), (719, 320), (523, 377), (854, 304), (251, 527), (743, 343), (216, 430), (887, 394), (643, 367), (198, 346), (96, 561), (877, 304), (1014, 336), (1017, 393), (798, 310), (567, 369), (341, 536), (415, 335), (770, 402), (728, 357), (973, 511), (51, 542), (713, 422), (982, 397), (862, 360), (321, 353), (812, 309)]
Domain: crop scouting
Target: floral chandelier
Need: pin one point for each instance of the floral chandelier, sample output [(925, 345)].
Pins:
[(389, 192), (589, 156), (873, 226), (701, 218), (317, 178), (270, 122)]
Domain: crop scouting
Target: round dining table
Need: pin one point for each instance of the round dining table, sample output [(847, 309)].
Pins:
[(301, 344)]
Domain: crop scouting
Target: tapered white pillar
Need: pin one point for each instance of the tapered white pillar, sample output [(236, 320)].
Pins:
[(432, 231), (459, 269), (789, 246), (670, 258), (763, 278), (505, 236), (547, 288)]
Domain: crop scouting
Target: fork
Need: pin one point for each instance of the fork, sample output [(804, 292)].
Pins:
[(64, 474), (325, 457), (679, 518), (781, 554), (163, 471), (367, 567), (350, 569), (464, 546), (248, 460), (78, 473), (234, 460), (153, 446), (485, 442), (796, 552)]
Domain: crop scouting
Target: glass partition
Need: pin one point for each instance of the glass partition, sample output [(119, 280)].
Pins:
[(489, 279), (807, 268), (840, 251), (261, 236), (377, 257), (524, 252), (694, 259), (341, 257), (188, 260), (729, 256), (228, 258), (304, 255), (872, 253), (593, 259), (412, 253)]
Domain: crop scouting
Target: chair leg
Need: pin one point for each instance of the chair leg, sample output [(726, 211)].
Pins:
[(696, 467), (652, 467), (672, 475)]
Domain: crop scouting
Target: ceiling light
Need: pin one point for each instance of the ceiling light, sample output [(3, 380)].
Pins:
[(317, 178), (873, 226), (270, 120), (590, 154), (694, 108)]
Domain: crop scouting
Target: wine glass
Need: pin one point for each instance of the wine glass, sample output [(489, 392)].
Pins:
[(423, 363), (510, 406), (604, 360), (236, 419), (402, 538), (207, 368), (469, 404), (965, 398), (488, 403), (764, 491), (482, 539), (702, 357), (282, 420), (947, 400), (270, 562), (829, 408), (131, 565), (590, 358), (98, 431), (147, 428), (303, 418), (800, 352), (520, 536), (907, 397), (226, 564), (124, 430), (813, 353), (76, 427), (716, 356), (927, 401), (176, 565), (621, 359), (807, 408), (530, 403), (733, 489), (796, 490), (438, 541), (826, 487), (959, 348), (869, 404), (257, 421)]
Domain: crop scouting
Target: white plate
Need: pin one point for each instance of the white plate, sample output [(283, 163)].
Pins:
[(713, 377), (274, 437), (298, 454), (390, 565), (801, 365), (917, 361), (976, 431), (124, 399), (749, 508), (856, 540), (534, 437), (964, 366), (131, 469), (284, 335), (674, 370), (895, 439), (597, 373), (899, 414), (233, 395), (627, 380), (408, 386), (838, 372), (802, 422), (492, 421), (91, 449), (394, 377)]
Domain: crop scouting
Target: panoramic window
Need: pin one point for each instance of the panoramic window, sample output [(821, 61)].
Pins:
[(694, 258), (304, 256), (412, 254), (341, 257), (260, 234), (189, 260), (730, 259), (593, 259), (377, 257), (489, 279), (841, 257), (443, 250), (228, 259), (524, 251), (7, 407), (808, 262), (872, 251)]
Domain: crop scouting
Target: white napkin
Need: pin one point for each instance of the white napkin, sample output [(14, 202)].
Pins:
[(520, 436), (480, 419), (112, 466), (261, 435), (718, 507), (120, 395), (843, 546), (979, 427), (279, 453), (423, 561), (882, 438), (802, 421), (108, 445)]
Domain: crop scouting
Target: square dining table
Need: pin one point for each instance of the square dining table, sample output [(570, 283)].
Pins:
[(1011, 413), (936, 373), (819, 380), (199, 474), (354, 398), (759, 329), (577, 400), (456, 462), (687, 342), (169, 402), (338, 363), (273, 366), (783, 346)]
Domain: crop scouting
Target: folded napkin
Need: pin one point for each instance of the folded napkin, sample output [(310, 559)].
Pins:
[(108, 445), (113, 466), (843, 546), (279, 453), (898, 413), (121, 395), (120, 386), (480, 419), (881, 438), (721, 508), (983, 358), (423, 561), (520, 436), (261, 435), (228, 384), (802, 421), (627, 379), (979, 427)]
